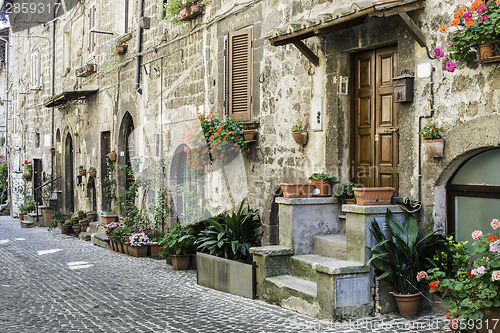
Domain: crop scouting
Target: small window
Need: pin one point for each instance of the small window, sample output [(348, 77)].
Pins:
[(123, 17), (35, 70), (92, 25), (238, 74)]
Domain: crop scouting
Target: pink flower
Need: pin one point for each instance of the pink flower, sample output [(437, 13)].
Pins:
[(495, 223), (477, 234), (473, 272), (483, 18), (421, 275), (495, 276), (481, 270), (467, 16), (450, 66), (481, 9), (438, 52), (494, 246)]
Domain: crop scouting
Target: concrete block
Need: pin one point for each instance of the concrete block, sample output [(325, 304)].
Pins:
[(224, 275), (333, 246), (300, 219), (85, 236)]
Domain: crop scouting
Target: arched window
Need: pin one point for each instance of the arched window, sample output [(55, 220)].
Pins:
[(473, 195)]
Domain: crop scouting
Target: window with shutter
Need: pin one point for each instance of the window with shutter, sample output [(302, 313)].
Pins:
[(35, 70), (239, 74), (92, 26)]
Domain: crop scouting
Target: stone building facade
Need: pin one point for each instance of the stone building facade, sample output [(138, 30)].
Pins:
[(138, 103)]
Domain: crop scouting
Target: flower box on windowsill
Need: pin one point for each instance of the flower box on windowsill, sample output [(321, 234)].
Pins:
[(86, 70), (189, 12)]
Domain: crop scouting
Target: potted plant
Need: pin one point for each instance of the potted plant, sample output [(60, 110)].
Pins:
[(323, 182), (58, 220), (92, 172), (432, 139), (81, 214), (346, 193), (75, 218), (299, 134), (77, 228), (22, 212), (399, 257), (81, 170), (369, 196), (29, 206), (178, 243), (177, 11), (112, 156), (27, 177), (28, 167), (472, 31), (92, 216), (138, 244), (66, 227), (297, 190), (121, 49), (472, 293), (154, 236)]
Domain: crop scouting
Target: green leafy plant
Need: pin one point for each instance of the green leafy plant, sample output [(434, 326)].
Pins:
[(178, 240), (325, 176), (4, 176), (298, 127), (171, 10), (449, 256), (346, 191), (68, 222), (431, 131), (109, 183), (29, 205), (399, 257), (59, 218), (474, 290), (231, 235), (471, 26)]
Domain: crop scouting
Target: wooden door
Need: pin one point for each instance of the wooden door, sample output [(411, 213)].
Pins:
[(375, 119)]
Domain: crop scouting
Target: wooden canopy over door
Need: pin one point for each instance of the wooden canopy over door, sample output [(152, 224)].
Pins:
[(375, 120)]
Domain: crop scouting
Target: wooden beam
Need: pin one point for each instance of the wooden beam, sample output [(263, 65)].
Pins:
[(412, 28), (395, 10), (307, 52)]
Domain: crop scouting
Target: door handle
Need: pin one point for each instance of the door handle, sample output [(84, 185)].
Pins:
[(391, 130)]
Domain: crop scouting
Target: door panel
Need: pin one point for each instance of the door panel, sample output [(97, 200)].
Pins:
[(375, 119)]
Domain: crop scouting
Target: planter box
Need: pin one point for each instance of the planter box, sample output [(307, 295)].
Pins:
[(368, 196), (107, 219), (297, 190), (434, 148), (225, 275), (138, 251)]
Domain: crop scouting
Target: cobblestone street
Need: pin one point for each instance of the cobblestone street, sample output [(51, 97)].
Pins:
[(55, 284)]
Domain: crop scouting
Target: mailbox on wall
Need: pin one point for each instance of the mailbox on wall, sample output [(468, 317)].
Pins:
[(403, 88)]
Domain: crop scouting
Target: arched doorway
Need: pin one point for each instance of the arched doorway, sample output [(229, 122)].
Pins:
[(473, 195), (91, 193), (68, 174), (126, 147)]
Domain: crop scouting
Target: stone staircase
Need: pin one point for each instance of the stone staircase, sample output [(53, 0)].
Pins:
[(322, 274)]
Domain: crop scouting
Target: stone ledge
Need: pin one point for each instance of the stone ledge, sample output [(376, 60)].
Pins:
[(271, 251), (85, 236), (27, 224), (305, 201), (100, 239), (368, 210)]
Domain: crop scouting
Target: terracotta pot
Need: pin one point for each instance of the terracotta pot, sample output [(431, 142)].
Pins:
[(324, 187), (300, 137), (350, 201), (107, 219), (52, 151), (112, 156), (180, 261), (297, 190), (21, 216), (66, 229), (248, 135), (138, 251), (407, 304), (92, 217), (47, 217), (93, 173), (121, 49), (486, 51), (74, 221), (82, 172), (153, 250), (77, 230), (434, 148), (84, 223), (369, 196), (490, 322), (185, 12), (81, 216), (195, 8)]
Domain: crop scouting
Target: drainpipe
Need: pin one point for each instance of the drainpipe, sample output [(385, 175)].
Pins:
[(52, 88), (431, 105), (139, 49)]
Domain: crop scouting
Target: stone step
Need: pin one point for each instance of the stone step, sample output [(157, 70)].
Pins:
[(96, 227), (333, 245), (302, 269), (27, 224), (330, 265), (100, 239), (31, 217)]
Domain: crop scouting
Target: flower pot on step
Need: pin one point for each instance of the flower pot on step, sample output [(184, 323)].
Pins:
[(21, 216), (369, 196), (324, 186), (434, 148), (153, 250), (180, 261), (407, 304), (77, 230), (47, 217), (107, 219), (297, 190), (138, 251)]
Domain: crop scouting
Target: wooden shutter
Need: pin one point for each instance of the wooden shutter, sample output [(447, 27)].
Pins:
[(240, 74), (92, 27)]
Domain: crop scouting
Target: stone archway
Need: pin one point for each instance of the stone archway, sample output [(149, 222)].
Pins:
[(69, 194)]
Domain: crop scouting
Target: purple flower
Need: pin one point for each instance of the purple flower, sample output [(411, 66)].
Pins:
[(467, 16), (481, 270), (450, 66), (483, 18), (438, 52), (481, 9)]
